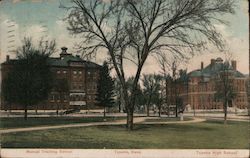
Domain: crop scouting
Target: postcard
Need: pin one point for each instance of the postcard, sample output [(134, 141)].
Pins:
[(124, 79)]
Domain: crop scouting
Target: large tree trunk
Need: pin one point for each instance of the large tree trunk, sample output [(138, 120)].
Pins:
[(130, 119)]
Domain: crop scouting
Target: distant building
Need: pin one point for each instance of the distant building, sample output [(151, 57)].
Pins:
[(199, 90), (80, 76)]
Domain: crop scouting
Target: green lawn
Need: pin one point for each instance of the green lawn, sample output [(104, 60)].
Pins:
[(208, 135), (6, 123)]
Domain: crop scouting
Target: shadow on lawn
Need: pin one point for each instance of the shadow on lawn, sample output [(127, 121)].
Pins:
[(173, 127)]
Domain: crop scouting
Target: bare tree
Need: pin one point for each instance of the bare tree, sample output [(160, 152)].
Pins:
[(134, 29), (61, 87), (151, 83), (164, 64), (225, 91), (173, 77)]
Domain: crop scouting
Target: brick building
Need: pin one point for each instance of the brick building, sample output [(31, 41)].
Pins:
[(200, 88), (76, 83)]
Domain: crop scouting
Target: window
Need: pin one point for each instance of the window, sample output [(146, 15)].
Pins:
[(64, 72), (58, 72), (80, 72), (74, 72)]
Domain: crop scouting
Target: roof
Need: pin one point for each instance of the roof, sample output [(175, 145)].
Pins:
[(65, 60), (10, 62), (62, 62), (213, 69)]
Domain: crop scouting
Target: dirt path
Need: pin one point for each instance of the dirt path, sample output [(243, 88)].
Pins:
[(140, 120)]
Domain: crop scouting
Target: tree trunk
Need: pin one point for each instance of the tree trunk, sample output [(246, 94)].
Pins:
[(176, 111), (57, 109), (119, 104), (194, 110), (36, 109), (225, 113), (148, 110), (25, 112), (159, 110), (130, 120), (104, 112), (168, 111)]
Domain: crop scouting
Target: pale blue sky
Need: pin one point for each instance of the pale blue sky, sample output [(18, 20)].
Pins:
[(31, 16)]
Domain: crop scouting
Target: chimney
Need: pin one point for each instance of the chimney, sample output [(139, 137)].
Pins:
[(64, 52), (234, 64), (212, 61), (7, 58), (202, 65)]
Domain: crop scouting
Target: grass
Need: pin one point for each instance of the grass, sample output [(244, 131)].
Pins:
[(206, 135), (7, 123)]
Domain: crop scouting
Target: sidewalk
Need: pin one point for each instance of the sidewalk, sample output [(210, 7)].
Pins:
[(195, 120), (140, 120), (118, 122), (218, 116)]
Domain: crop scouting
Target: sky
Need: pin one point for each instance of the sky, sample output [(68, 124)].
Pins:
[(44, 18)]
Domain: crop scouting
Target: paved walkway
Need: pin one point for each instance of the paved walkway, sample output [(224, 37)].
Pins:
[(195, 120), (229, 119), (140, 120), (118, 122)]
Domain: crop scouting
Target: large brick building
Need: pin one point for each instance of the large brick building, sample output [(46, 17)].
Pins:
[(199, 90), (78, 79)]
